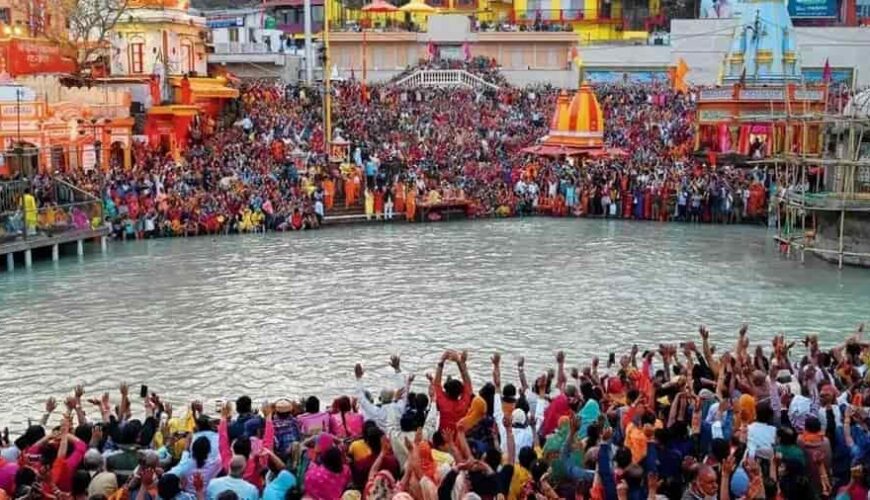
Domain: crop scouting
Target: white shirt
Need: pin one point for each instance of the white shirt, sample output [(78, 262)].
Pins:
[(760, 436), (242, 488)]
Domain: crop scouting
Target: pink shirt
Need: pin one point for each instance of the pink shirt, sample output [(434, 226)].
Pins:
[(313, 423), (351, 426)]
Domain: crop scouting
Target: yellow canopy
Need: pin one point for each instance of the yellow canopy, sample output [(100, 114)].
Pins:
[(417, 7)]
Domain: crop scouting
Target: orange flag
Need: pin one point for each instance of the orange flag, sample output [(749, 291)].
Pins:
[(680, 76)]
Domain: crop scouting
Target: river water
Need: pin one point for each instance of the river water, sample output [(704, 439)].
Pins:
[(290, 314)]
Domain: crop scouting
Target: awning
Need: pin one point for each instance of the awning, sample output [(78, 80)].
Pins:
[(550, 150), (208, 87)]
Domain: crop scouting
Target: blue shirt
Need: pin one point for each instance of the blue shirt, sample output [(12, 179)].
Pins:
[(371, 168)]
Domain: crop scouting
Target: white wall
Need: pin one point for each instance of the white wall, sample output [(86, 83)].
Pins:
[(703, 44)]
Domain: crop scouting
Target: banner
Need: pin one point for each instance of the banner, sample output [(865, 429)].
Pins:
[(32, 57), (720, 9), (812, 8)]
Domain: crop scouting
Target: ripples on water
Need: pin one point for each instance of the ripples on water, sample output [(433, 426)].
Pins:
[(289, 315)]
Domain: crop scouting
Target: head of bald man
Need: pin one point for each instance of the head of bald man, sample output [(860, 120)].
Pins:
[(237, 466), (706, 482)]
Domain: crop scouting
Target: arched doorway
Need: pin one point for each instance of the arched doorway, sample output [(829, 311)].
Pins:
[(23, 159), (116, 155), (58, 159)]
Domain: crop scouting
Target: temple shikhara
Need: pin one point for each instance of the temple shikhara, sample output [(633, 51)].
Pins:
[(761, 84)]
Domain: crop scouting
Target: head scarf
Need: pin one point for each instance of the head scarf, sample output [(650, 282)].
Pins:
[(475, 414), (381, 486), (588, 415), (745, 410), (427, 462)]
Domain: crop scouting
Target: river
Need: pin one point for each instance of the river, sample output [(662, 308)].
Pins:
[(290, 314)]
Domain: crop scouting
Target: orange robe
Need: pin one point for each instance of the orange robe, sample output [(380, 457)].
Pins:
[(351, 190), (328, 193), (399, 198), (411, 205)]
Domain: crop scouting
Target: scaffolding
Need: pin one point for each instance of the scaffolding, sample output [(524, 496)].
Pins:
[(825, 192)]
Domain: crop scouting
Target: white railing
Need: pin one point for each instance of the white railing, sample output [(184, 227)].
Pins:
[(445, 78), (243, 48)]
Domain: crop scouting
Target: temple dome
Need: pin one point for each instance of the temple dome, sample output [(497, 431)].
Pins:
[(578, 123), (763, 48)]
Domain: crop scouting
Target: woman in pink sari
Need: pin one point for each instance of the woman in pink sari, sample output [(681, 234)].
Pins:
[(344, 423), (327, 478)]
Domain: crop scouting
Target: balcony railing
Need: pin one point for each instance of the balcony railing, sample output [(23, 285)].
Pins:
[(245, 48), (298, 28)]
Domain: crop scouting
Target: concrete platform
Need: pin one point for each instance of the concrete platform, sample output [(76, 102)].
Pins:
[(27, 246)]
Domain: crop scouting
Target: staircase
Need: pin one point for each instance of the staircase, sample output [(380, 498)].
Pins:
[(341, 215), (445, 78)]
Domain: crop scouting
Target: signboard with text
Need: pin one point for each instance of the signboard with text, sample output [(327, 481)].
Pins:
[(804, 9), (27, 57)]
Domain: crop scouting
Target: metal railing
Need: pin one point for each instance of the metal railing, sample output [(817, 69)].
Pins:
[(445, 78), (245, 48), (52, 220)]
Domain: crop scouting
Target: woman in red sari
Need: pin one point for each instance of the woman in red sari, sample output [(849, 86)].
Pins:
[(379, 204)]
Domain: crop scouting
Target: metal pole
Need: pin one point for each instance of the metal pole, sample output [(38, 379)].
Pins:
[(327, 74), (309, 48)]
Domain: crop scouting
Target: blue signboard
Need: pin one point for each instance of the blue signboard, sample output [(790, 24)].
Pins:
[(226, 22), (812, 8), (838, 75), (624, 75)]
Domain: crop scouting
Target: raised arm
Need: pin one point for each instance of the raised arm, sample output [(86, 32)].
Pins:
[(226, 453), (462, 362), (521, 370), (496, 371), (561, 377)]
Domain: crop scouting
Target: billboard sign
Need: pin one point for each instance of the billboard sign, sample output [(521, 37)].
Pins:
[(804, 9)]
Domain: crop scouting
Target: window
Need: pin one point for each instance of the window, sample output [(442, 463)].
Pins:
[(186, 56), (5, 16), (137, 57), (234, 35)]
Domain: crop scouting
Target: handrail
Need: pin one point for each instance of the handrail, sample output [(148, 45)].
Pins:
[(445, 78)]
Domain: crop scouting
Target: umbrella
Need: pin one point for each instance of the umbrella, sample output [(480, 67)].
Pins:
[(417, 7), (380, 6)]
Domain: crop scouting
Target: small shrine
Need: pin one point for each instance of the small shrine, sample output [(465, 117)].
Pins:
[(761, 85), (577, 127)]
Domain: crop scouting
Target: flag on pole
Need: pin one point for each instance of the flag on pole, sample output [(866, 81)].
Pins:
[(680, 73), (827, 73), (431, 49), (575, 56), (743, 77), (466, 51)]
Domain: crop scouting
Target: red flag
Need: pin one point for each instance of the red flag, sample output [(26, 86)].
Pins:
[(827, 73)]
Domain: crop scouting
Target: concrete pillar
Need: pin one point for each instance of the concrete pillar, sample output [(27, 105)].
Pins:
[(28, 258), (80, 247), (10, 262), (103, 244), (55, 253)]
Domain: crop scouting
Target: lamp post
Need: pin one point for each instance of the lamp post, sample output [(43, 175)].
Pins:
[(18, 150)]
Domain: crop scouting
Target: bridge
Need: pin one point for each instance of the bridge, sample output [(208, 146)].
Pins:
[(445, 78), (68, 215)]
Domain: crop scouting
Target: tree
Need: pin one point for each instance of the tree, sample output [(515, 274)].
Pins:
[(90, 23)]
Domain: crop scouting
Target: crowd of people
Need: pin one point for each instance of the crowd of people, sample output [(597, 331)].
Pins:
[(268, 171), (781, 420)]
